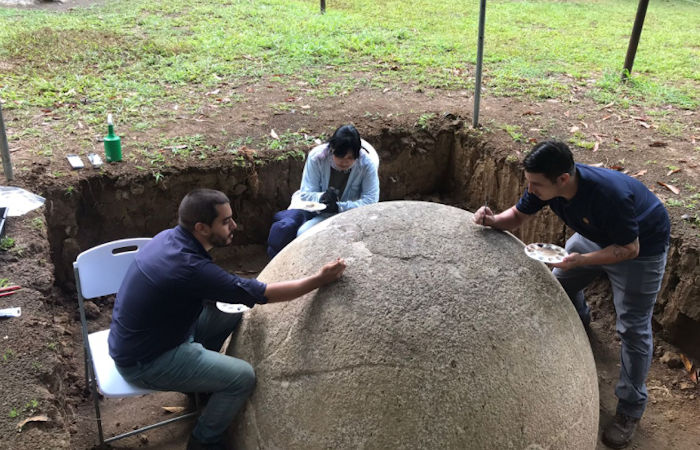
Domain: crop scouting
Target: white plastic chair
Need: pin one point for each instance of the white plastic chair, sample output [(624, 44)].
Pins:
[(99, 271), (371, 151)]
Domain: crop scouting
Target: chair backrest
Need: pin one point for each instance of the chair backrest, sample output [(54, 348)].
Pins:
[(102, 268), (371, 152)]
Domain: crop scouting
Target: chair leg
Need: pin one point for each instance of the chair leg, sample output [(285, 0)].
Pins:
[(92, 385), (87, 375)]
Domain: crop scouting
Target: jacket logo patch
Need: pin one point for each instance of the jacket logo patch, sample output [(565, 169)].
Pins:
[(586, 221)]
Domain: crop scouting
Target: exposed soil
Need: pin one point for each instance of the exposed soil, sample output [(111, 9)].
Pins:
[(41, 363)]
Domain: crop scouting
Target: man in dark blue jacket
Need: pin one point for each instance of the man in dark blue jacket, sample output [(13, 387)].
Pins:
[(165, 334), (621, 229)]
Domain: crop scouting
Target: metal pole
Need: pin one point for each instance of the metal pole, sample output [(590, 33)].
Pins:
[(634, 38), (5, 149), (479, 60), (323, 6)]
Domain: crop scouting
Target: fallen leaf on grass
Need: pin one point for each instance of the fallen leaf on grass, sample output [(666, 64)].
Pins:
[(274, 135), (32, 419), (608, 105), (671, 172), (596, 145), (644, 124), (670, 187), (618, 168), (174, 409), (597, 165), (574, 129), (658, 144), (640, 173)]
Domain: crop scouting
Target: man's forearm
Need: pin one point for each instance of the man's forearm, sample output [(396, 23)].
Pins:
[(509, 220), (288, 290), (611, 254)]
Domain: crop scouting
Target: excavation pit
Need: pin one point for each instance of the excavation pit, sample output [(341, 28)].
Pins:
[(445, 163), (448, 164)]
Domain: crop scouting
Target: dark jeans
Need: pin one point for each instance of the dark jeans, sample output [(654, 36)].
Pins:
[(197, 366)]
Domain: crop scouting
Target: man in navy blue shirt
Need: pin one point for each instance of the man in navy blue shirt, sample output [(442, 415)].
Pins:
[(165, 333), (621, 229)]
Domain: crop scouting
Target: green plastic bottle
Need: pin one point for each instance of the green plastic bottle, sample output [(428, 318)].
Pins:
[(113, 144)]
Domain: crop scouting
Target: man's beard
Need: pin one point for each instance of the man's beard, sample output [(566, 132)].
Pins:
[(217, 241)]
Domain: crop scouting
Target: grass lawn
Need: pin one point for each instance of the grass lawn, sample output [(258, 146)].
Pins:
[(132, 57)]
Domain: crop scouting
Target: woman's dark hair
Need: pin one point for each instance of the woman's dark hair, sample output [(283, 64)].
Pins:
[(199, 205), (550, 158), (345, 139)]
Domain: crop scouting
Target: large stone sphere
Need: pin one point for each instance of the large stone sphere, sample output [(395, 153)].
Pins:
[(441, 334)]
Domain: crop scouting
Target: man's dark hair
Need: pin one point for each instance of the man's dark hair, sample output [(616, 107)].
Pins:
[(345, 139), (199, 205), (550, 158)]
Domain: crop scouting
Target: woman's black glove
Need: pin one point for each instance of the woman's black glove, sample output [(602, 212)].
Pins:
[(330, 199)]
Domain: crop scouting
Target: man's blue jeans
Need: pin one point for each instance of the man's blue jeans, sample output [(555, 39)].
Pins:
[(197, 366), (635, 284)]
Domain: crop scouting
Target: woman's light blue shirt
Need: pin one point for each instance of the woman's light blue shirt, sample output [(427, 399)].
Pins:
[(363, 184)]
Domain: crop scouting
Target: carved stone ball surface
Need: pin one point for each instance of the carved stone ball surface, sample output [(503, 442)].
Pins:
[(441, 334)]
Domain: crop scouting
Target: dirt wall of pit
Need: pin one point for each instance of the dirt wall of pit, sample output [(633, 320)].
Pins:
[(447, 162)]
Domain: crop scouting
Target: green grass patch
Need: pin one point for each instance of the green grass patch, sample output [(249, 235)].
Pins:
[(139, 58), (6, 243)]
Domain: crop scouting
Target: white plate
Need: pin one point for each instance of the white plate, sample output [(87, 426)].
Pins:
[(310, 206), (231, 308), (547, 253)]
